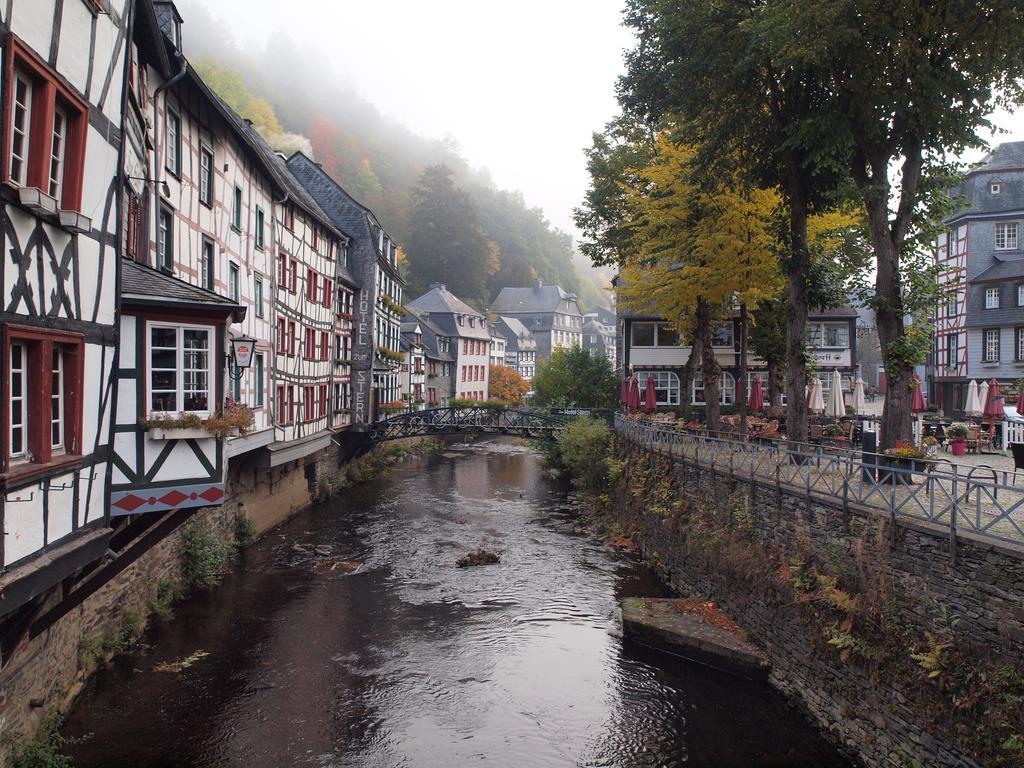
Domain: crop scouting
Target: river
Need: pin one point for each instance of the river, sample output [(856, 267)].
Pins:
[(411, 661)]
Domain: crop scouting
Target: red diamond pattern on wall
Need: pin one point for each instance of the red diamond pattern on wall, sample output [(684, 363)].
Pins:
[(173, 498), (212, 494), (130, 503)]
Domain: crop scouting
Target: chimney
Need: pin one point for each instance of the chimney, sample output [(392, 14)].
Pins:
[(538, 284), (439, 286)]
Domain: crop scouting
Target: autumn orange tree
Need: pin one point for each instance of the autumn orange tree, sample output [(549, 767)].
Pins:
[(507, 385)]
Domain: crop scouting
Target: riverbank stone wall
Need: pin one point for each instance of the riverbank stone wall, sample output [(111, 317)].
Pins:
[(751, 542)]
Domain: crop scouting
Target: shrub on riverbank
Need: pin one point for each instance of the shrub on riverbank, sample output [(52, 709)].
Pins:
[(583, 451), (46, 750), (204, 555)]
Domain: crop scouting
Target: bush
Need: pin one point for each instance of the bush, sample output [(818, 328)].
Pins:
[(583, 449), (46, 750), (204, 555), (167, 594), (245, 530)]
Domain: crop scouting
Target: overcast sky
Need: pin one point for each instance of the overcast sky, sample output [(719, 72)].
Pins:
[(520, 85)]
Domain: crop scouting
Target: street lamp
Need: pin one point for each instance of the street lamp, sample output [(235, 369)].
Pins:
[(241, 356)]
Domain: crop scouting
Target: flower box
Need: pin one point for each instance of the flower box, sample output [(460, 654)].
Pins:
[(179, 433)]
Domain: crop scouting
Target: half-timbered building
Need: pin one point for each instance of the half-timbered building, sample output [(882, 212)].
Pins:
[(62, 83)]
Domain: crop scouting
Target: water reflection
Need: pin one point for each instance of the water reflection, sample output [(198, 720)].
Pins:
[(413, 662)]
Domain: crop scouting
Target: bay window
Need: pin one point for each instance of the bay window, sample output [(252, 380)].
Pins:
[(46, 125), (181, 369), (43, 407)]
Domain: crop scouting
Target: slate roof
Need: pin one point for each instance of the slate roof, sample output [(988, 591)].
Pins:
[(430, 333), (144, 285), (442, 306), (1005, 165), (517, 336), (344, 210), (537, 298), (1002, 270)]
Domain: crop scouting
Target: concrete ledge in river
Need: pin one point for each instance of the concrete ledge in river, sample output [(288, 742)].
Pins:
[(664, 625)]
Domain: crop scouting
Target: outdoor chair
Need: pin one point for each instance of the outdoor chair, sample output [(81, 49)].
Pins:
[(986, 434), (1017, 449)]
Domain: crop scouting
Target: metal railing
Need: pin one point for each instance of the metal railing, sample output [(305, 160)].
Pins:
[(980, 500)]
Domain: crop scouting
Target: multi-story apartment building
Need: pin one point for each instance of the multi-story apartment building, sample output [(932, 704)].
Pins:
[(599, 338), (440, 359), (498, 345), (469, 339), (373, 264), (413, 373), (552, 315), (520, 346), (63, 104), (979, 320), (652, 348), (344, 324)]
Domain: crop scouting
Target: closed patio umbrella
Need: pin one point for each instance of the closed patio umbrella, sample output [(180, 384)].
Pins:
[(634, 394), (972, 407), (756, 402), (982, 397), (816, 401), (1020, 404), (994, 402), (650, 396), (917, 398), (857, 401), (836, 407)]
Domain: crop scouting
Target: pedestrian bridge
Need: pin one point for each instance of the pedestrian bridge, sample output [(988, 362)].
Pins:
[(449, 421)]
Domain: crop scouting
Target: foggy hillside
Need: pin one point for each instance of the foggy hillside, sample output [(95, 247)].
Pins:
[(495, 238)]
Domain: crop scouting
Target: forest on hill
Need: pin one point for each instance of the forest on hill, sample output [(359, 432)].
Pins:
[(455, 226)]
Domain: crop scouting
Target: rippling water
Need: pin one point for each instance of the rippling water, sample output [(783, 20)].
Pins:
[(410, 661)]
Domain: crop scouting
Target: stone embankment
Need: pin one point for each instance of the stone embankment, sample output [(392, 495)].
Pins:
[(906, 655)]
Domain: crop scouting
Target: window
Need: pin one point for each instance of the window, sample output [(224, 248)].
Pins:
[(991, 349), (165, 240), (995, 189), (309, 351), (236, 210), (328, 292), (325, 345), (721, 336), (172, 154), (257, 294), (1006, 236), (1019, 348), (236, 389), (233, 282), (288, 218), (643, 334), (726, 388), (180, 368), (667, 336), (311, 285), (828, 335), (315, 236), (44, 394), (666, 386), (46, 124), (285, 403), (992, 298), (1020, 294), (206, 264), (323, 401), (259, 372), (206, 176), (308, 402), (951, 304), (293, 276), (293, 337), (259, 228), (952, 344), (282, 271), (282, 337)]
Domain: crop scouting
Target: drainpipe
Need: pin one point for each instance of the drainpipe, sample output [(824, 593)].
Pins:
[(183, 68)]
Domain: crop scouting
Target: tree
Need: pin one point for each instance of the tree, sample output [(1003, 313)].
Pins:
[(575, 378), (447, 240), (507, 385), (908, 83), (752, 106)]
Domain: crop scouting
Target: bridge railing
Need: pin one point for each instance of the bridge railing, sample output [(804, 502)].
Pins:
[(982, 501)]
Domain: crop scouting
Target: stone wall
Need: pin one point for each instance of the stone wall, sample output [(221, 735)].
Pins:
[(739, 550), (46, 672)]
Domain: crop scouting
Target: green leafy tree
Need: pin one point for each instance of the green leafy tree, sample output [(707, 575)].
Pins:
[(447, 240), (584, 448), (575, 378)]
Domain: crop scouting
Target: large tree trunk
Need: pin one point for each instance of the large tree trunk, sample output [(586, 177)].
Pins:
[(741, 388), (709, 367), (796, 308), (691, 365)]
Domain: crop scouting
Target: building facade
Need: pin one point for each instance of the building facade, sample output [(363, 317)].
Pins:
[(468, 339), (979, 320), (599, 337), (551, 314), (498, 345), (439, 357), (520, 346)]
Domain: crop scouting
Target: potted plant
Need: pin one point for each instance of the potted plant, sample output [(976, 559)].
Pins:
[(957, 434), (907, 456)]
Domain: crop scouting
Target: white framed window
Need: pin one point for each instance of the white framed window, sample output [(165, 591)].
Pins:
[(233, 282), (260, 216), (180, 368), (236, 209), (1019, 344), (1006, 236), (206, 176), (173, 151), (21, 122), (991, 345), (1020, 294), (992, 298), (206, 261), (726, 389), (165, 240), (259, 385), (828, 335), (722, 335), (57, 400), (58, 142), (17, 384), (257, 294), (666, 386), (995, 188)]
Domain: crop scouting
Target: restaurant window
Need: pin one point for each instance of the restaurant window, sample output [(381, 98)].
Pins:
[(991, 349), (180, 368), (666, 386), (44, 395)]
